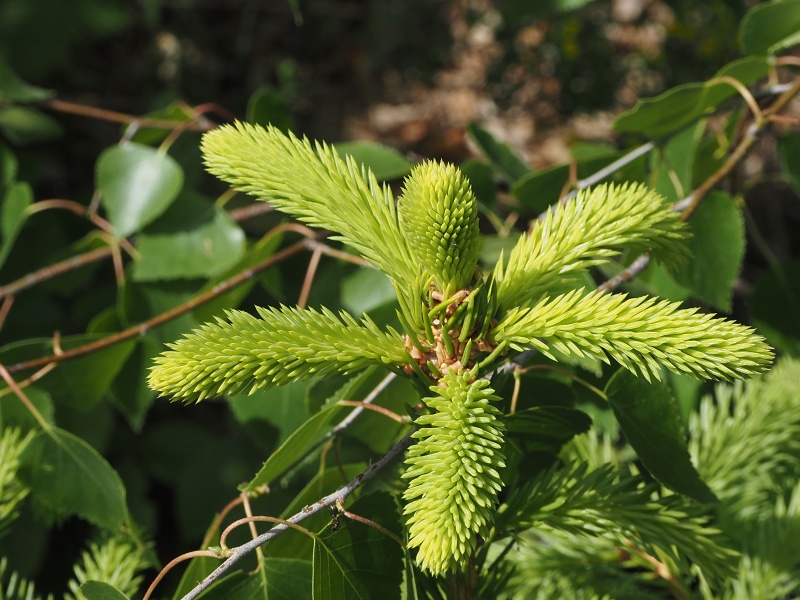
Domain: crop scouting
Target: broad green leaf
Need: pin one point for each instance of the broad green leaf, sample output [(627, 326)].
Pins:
[(13, 413), (98, 590), (267, 106), (282, 408), (717, 247), (674, 163), (359, 561), (481, 178), (68, 477), (294, 448), (789, 156), (262, 250), (650, 419), (14, 89), (9, 165), (17, 199), (23, 125), (193, 239), (679, 106), (129, 391), (300, 545), (137, 184), (80, 382), (770, 27), (286, 579), (775, 307), (365, 290), (546, 428), (385, 162), (500, 155), (542, 189), (493, 245), (175, 112)]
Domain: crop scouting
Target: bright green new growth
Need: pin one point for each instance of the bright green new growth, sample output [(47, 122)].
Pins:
[(246, 354), (439, 218), (642, 334), (458, 326), (454, 472), (587, 231)]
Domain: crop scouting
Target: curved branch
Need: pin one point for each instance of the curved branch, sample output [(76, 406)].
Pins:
[(338, 496)]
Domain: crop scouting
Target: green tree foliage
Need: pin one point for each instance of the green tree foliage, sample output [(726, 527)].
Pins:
[(437, 404)]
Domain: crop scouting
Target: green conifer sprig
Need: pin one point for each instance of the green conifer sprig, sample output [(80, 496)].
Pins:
[(246, 353), (587, 231), (641, 333), (439, 216), (454, 472), (315, 185)]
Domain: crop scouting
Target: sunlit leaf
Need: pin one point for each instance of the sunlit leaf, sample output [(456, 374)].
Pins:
[(717, 247), (137, 184), (385, 162), (770, 27), (679, 106)]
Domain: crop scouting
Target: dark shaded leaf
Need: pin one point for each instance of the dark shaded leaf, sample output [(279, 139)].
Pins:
[(775, 307), (500, 155), (770, 27), (650, 418)]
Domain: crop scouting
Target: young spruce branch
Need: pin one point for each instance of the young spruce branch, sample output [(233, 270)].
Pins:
[(456, 320)]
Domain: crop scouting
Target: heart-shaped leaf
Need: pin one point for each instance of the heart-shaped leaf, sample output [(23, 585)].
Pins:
[(137, 184)]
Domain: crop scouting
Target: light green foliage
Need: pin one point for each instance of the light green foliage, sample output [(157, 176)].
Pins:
[(642, 334), (745, 439), (439, 217), (246, 354), (14, 587), (315, 185), (457, 323), (454, 472), (115, 561), (588, 230), (12, 490)]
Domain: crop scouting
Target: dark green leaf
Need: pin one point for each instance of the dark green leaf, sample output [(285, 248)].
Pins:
[(137, 184), (674, 163), (481, 178), (13, 214), (547, 428), (365, 290), (258, 253), (23, 125), (775, 307), (98, 590), (359, 561), (14, 89), (540, 190), (385, 162), (269, 107), (789, 156), (129, 391), (679, 106), (770, 27), (13, 413), (650, 419), (286, 579), (493, 245), (68, 477), (282, 408), (176, 112), (204, 244), (717, 246), (286, 456), (500, 155)]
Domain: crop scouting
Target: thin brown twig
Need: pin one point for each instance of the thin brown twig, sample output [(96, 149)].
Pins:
[(369, 522), (103, 114), (378, 409), (311, 271), (164, 317), (172, 563), (51, 271)]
